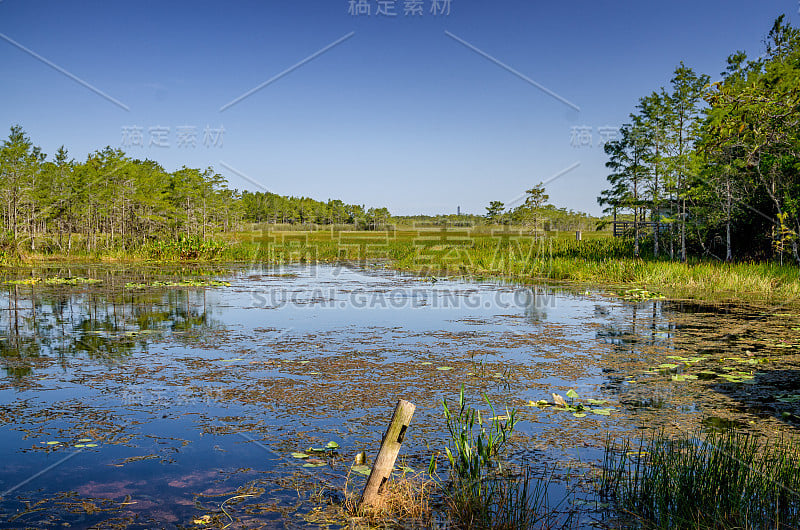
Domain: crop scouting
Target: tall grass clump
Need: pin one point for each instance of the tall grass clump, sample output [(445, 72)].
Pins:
[(482, 492), (718, 480)]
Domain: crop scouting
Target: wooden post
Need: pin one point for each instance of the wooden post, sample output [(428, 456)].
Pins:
[(390, 447), (578, 235)]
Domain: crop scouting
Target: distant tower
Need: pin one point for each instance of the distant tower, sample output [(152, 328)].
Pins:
[(458, 210)]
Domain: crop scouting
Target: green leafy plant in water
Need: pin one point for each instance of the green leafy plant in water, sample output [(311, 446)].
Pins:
[(473, 450), (482, 492)]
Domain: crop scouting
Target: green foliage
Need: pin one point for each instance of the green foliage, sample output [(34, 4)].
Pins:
[(184, 249), (266, 207), (108, 202), (720, 179), (473, 450)]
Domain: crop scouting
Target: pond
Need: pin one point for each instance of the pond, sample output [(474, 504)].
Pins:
[(151, 397)]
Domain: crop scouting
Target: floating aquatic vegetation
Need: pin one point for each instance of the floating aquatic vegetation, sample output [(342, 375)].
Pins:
[(182, 283), (361, 469), (74, 280), (578, 410), (638, 294), (71, 281)]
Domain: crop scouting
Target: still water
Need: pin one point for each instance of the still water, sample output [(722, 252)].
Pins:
[(129, 403)]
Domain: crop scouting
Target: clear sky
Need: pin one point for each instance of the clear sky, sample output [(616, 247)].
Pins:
[(420, 113)]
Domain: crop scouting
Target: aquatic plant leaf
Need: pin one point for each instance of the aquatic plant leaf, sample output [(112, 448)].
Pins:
[(596, 401), (579, 415), (300, 455), (572, 394), (602, 412), (444, 368), (91, 445), (361, 469), (332, 445)]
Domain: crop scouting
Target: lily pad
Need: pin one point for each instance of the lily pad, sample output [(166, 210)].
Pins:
[(300, 455), (332, 445), (579, 415), (314, 462), (361, 469), (572, 394), (444, 368), (602, 412)]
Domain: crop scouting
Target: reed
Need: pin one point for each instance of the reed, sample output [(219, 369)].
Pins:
[(716, 480)]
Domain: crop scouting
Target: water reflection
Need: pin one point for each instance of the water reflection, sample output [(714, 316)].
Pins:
[(106, 325)]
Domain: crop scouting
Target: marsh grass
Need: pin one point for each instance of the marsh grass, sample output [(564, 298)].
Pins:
[(505, 501), (718, 480), (517, 255), (503, 252)]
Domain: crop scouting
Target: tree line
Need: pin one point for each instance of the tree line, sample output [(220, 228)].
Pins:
[(712, 168), (266, 207), (113, 201)]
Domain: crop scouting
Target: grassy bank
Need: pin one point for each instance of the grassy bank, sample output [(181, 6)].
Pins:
[(503, 252), (515, 255)]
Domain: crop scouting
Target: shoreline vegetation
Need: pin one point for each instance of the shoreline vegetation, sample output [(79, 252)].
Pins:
[(483, 252), (703, 183)]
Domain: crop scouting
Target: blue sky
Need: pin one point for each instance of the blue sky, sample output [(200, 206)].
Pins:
[(403, 112)]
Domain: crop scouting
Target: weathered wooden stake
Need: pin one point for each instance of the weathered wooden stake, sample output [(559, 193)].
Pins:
[(390, 446)]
